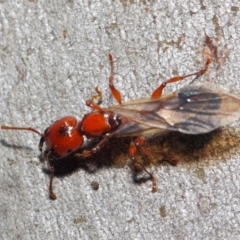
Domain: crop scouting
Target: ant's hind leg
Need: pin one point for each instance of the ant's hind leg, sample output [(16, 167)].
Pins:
[(116, 94), (209, 55), (133, 148)]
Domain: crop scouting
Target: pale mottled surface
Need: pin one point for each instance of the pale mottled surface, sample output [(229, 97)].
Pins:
[(52, 57)]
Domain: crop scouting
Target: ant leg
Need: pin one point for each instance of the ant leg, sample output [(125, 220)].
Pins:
[(173, 162), (208, 54), (141, 141), (98, 147), (210, 50), (51, 193), (97, 98), (116, 94), (134, 145)]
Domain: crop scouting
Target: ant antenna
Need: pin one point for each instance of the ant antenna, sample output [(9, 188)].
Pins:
[(22, 128)]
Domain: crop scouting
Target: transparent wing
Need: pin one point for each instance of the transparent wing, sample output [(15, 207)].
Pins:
[(194, 109)]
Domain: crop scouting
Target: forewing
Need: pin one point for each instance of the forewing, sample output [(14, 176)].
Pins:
[(194, 109)]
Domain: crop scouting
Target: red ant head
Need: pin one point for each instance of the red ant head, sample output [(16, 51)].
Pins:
[(62, 137)]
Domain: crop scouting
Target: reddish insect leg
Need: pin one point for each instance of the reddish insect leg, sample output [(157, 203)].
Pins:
[(116, 94), (97, 98), (134, 146), (51, 193), (98, 147), (140, 142), (209, 58)]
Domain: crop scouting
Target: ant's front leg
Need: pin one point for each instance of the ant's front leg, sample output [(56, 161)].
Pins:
[(95, 149), (51, 168)]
